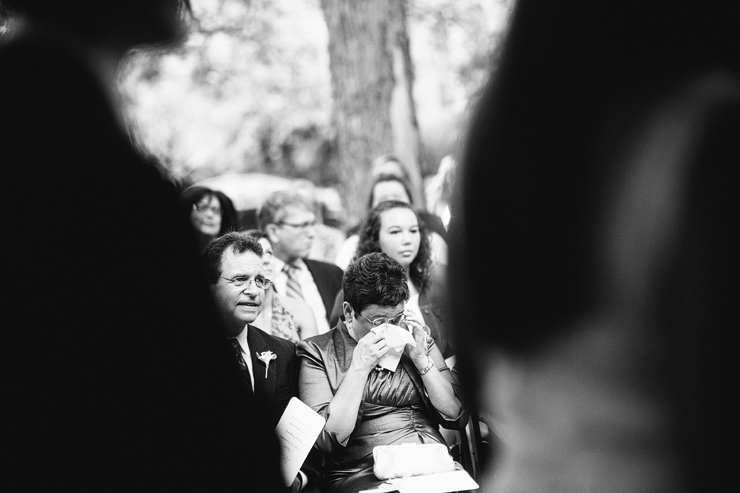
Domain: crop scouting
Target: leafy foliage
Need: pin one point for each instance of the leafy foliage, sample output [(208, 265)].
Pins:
[(250, 89)]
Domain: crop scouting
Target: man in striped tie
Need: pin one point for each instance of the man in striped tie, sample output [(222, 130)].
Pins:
[(289, 221)]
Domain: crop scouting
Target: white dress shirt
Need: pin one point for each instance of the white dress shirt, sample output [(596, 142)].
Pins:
[(242, 338), (309, 290)]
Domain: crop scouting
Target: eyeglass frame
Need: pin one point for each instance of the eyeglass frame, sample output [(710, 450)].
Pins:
[(203, 208), (386, 320), (303, 226), (266, 283)]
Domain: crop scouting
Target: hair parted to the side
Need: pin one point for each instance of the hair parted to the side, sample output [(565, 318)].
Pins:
[(237, 242), (369, 241), (374, 279), (379, 161), (385, 178), (274, 208)]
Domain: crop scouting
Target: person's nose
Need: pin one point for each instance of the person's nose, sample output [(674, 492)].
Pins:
[(251, 289), (406, 238)]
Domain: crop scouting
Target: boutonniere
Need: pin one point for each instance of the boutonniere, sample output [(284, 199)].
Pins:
[(266, 357)]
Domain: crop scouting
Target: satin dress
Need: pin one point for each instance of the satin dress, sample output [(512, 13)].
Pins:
[(394, 409)]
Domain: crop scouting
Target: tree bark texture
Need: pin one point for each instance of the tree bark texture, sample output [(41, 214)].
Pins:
[(372, 80)]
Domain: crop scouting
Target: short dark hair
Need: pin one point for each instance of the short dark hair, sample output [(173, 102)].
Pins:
[(273, 209), (257, 234), (386, 177), (237, 241), (369, 242), (374, 279)]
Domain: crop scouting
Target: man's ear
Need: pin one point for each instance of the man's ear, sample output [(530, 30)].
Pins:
[(271, 232)]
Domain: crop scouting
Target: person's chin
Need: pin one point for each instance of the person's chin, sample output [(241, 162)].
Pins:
[(248, 314)]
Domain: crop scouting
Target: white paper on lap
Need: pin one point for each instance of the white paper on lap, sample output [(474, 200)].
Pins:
[(297, 430)]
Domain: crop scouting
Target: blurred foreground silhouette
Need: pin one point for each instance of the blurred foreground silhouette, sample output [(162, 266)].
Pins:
[(117, 376), (594, 244)]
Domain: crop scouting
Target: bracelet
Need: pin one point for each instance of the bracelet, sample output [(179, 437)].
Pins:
[(429, 366)]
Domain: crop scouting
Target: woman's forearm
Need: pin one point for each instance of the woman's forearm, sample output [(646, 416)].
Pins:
[(345, 404), (440, 391)]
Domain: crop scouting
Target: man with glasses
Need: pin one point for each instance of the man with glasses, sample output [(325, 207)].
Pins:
[(269, 368), (288, 219)]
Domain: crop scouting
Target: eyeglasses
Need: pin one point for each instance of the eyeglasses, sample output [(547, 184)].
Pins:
[(306, 225), (395, 320), (259, 281), (203, 208)]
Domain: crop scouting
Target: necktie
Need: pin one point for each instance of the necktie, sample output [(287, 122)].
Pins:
[(293, 286), (242, 364)]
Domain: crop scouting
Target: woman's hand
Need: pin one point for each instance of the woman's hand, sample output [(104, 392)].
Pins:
[(369, 350), (418, 350)]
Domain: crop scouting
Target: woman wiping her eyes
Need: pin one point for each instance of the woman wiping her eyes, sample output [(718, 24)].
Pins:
[(366, 405)]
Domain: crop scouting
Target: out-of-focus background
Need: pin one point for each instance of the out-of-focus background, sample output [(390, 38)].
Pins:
[(251, 90), (314, 89)]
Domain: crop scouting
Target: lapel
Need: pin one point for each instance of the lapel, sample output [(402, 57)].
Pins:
[(313, 269), (258, 344)]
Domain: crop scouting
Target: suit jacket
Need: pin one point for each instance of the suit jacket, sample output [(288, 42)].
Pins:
[(273, 388), (328, 279)]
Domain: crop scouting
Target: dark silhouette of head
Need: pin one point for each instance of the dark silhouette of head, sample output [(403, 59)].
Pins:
[(597, 183), (118, 25)]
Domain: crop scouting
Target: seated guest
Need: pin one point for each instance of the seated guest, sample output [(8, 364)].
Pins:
[(387, 165), (233, 265), (281, 316), (394, 228), (328, 237), (289, 220), (365, 405), (390, 187), (210, 212)]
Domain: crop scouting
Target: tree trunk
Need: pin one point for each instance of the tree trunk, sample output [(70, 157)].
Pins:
[(372, 80)]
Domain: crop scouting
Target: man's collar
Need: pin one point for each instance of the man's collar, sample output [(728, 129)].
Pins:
[(242, 336), (280, 265)]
